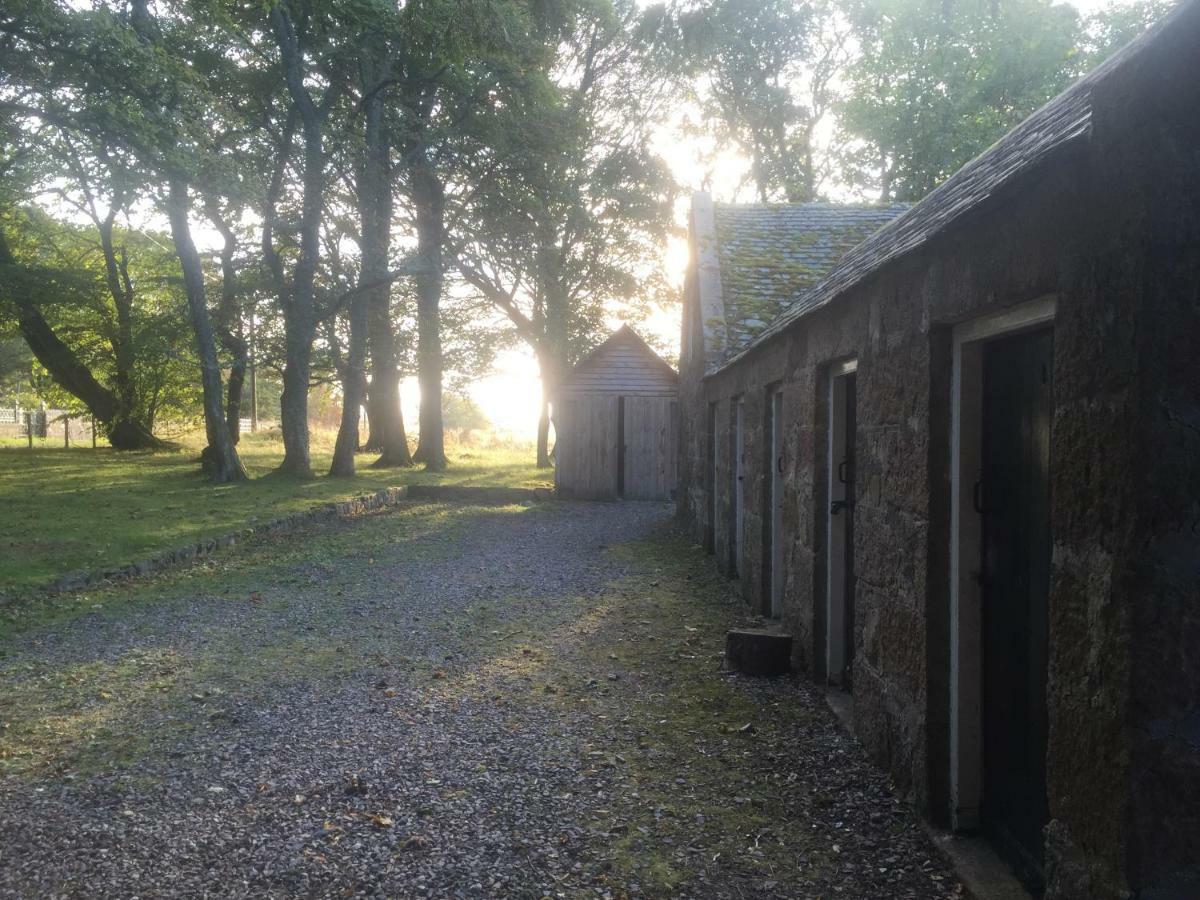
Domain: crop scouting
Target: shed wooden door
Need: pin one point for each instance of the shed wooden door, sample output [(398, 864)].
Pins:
[(650, 435), (585, 454)]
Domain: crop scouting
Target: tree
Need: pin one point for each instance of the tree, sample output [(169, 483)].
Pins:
[(112, 80), (1109, 29), (171, 101), (936, 83), (761, 73), (99, 308), (565, 206)]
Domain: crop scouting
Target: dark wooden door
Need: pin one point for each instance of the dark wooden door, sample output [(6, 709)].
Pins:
[(1013, 497), (845, 474)]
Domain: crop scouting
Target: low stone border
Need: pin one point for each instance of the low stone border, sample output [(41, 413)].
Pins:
[(465, 493), (342, 509)]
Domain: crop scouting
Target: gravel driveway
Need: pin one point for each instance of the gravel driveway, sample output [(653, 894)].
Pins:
[(435, 701)]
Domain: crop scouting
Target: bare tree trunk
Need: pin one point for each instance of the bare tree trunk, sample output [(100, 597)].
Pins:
[(220, 457), (299, 310), (353, 384), (552, 350), (543, 436), (293, 401), (374, 442), (229, 325), (429, 202), (233, 392), (387, 419), (375, 211), (550, 373)]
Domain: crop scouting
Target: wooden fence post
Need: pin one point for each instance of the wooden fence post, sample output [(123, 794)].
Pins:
[(29, 428), (66, 433)]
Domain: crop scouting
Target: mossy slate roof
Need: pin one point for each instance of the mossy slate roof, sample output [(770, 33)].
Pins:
[(771, 255), (1064, 121)]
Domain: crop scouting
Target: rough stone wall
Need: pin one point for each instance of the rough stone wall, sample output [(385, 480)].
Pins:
[(1147, 278), (1123, 760), (1111, 228)]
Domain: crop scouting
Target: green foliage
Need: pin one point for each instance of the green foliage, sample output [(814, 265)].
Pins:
[(568, 207), (16, 365), (462, 413), (66, 280), (936, 83), (1109, 29), (760, 74)]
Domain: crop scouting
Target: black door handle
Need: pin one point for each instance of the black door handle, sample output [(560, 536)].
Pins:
[(977, 496), (779, 464), (843, 471), (837, 506)]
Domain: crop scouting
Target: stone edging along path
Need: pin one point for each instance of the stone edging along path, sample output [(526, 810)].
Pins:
[(326, 512)]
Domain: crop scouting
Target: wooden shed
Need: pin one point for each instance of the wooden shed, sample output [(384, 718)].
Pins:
[(616, 423)]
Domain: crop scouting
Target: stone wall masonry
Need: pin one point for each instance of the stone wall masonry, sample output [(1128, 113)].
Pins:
[(1111, 229)]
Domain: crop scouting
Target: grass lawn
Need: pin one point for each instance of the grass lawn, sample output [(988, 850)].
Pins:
[(67, 510)]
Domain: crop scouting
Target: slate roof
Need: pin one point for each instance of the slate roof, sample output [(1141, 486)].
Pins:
[(771, 254), (1064, 120)]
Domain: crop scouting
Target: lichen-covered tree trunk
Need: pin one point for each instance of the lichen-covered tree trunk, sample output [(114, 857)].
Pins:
[(428, 196), (353, 391), (220, 457), (375, 211)]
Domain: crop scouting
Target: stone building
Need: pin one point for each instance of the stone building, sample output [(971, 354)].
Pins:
[(962, 470)]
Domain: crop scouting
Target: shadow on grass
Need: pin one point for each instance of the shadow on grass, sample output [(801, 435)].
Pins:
[(169, 655), (69, 510)]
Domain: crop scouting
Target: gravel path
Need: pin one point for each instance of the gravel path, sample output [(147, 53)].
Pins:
[(435, 701)]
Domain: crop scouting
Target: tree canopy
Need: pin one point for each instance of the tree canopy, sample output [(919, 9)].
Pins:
[(349, 192)]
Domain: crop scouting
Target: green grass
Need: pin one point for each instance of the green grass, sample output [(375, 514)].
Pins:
[(82, 509)]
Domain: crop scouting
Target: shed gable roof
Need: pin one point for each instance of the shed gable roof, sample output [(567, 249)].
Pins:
[(622, 364)]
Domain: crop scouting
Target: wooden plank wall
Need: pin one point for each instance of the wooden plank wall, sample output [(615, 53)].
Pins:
[(585, 452), (651, 440)]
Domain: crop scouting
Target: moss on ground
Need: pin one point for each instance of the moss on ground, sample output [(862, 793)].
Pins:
[(674, 734), (109, 712)]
